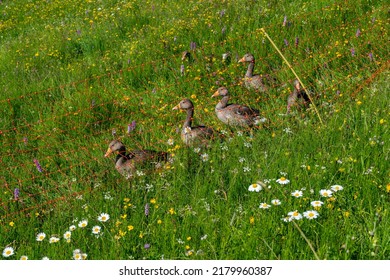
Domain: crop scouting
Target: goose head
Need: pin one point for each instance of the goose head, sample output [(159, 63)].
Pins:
[(297, 85), (115, 147), (185, 104), (247, 58), (222, 91)]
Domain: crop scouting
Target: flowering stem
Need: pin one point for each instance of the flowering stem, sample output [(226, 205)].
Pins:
[(292, 69), (307, 240)]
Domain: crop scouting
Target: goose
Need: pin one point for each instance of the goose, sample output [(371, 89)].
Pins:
[(235, 114), (251, 81), (128, 163), (193, 134), (298, 97)]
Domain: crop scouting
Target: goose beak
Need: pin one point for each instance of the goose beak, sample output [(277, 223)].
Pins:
[(177, 107), (215, 94), (109, 152), (242, 60)]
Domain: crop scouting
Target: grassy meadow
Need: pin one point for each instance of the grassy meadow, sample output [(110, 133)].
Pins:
[(313, 184)]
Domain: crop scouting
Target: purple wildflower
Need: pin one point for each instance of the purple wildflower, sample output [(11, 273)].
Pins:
[(147, 207), (131, 126), (338, 92), (222, 13), (147, 246), (38, 165), (358, 32), (128, 61), (286, 42), (285, 21), (182, 69), (78, 31), (93, 103), (25, 140), (296, 41), (352, 51), (16, 193), (371, 56), (373, 20), (192, 46), (224, 30)]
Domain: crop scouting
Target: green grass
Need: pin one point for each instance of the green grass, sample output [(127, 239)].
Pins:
[(71, 74)]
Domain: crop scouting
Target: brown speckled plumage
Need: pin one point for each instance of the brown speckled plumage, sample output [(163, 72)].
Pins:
[(128, 163), (298, 98), (235, 114), (258, 82), (193, 135)]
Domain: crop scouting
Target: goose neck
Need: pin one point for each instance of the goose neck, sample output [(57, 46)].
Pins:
[(222, 103), (188, 121), (251, 66)]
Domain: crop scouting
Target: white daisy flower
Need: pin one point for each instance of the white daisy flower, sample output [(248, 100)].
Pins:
[(311, 214), (104, 217), (316, 203), (287, 219), (326, 193), (83, 223), (170, 142), (255, 188), (72, 227), (297, 193), (45, 259), (96, 230), (264, 205), (77, 256), (295, 215), (67, 235), (276, 202), (84, 256), (8, 251), (283, 181), (204, 157), (23, 258), (41, 236), (336, 188), (54, 239)]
